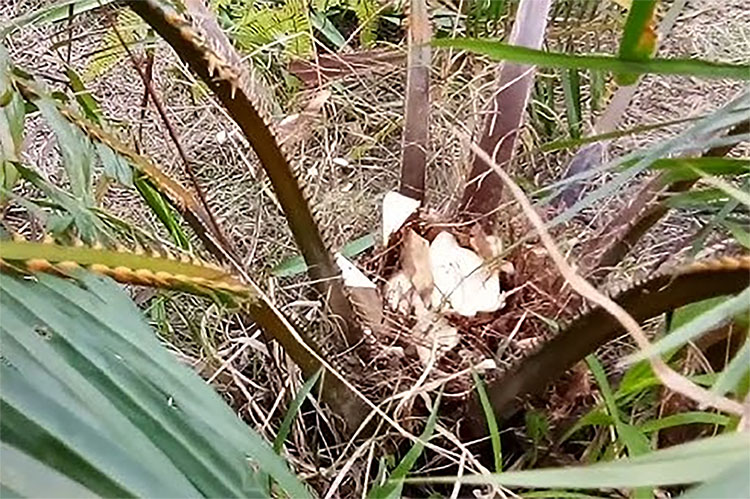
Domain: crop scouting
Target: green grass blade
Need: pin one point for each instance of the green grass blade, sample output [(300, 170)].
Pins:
[(639, 18), (291, 413), (558, 145), (685, 168), (571, 83), (88, 103), (489, 415), (155, 200), (688, 67), (690, 312), (692, 462), (738, 194), (683, 418), (392, 488), (321, 23), (733, 373), (597, 83), (633, 439), (296, 265), (595, 417), (695, 327), (719, 120), (600, 377), (730, 484), (698, 199), (638, 38), (717, 219), (739, 233), (53, 13)]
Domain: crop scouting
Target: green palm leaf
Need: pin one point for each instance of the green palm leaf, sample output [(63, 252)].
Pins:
[(88, 393)]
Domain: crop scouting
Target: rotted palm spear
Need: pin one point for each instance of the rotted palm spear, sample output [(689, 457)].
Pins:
[(194, 34)]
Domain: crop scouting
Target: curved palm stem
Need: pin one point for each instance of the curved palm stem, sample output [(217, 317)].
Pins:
[(658, 295), (613, 242), (197, 39)]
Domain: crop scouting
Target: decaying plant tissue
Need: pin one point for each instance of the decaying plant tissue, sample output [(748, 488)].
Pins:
[(463, 283), (438, 278)]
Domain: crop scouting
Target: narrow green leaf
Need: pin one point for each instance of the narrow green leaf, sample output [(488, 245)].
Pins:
[(291, 413), (689, 67), (115, 167), (640, 16), (692, 462), (685, 314), (601, 379), (697, 199), (683, 418), (717, 219), (695, 327), (537, 426), (558, 145), (321, 23), (597, 81), (634, 440), (49, 14), (738, 194), (684, 168), (730, 484), (75, 148), (638, 38), (733, 373), (740, 234), (162, 210), (595, 417), (8, 177), (392, 488), (637, 377), (296, 265), (88, 103), (489, 415), (571, 84), (12, 114), (719, 120)]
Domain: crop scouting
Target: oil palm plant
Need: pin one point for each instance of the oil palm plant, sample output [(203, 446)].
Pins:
[(350, 333)]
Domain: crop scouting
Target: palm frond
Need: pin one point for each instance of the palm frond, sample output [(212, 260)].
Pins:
[(94, 405)]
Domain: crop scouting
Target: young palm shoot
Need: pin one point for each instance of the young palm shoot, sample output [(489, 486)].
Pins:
[(417, 108), (506, 110)]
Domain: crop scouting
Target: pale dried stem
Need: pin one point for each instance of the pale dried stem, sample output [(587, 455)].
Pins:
[(671, 379), (333, 489)]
